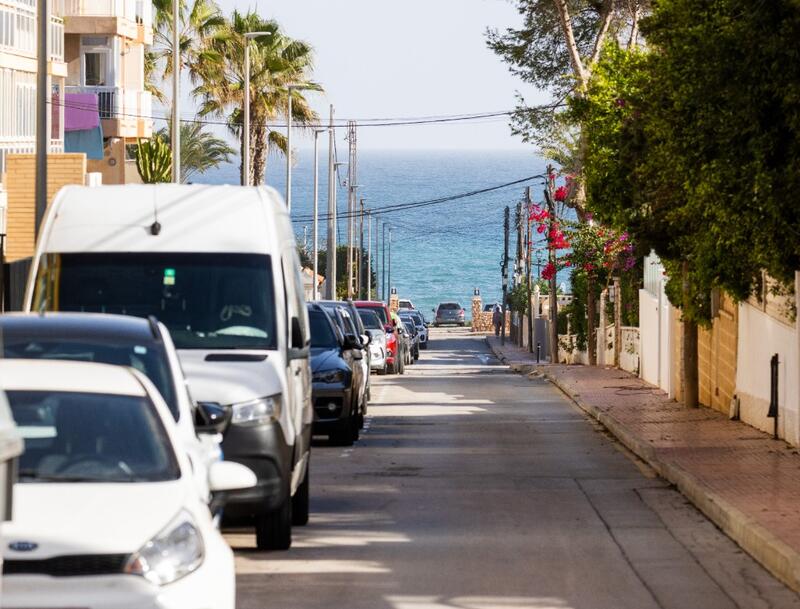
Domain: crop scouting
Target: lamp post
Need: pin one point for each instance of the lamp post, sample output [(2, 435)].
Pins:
[(176, 92), (246, 126), (332, 229), (315, 229), (289, 90)]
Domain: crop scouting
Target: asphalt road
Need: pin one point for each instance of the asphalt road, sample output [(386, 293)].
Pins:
[(475, 488)]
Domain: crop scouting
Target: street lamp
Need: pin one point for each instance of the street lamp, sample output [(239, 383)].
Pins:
[(315, 230), (246, 126), (289, 90), (332, 240)]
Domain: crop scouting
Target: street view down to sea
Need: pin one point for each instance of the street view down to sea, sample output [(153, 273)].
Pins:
[(465, 304)]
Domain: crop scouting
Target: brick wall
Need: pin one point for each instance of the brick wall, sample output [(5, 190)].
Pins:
[(20, 184)]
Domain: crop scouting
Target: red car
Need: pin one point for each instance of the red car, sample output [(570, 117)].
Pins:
[(393, 363)]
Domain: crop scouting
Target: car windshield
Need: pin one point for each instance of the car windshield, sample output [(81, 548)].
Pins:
[(90, 437), (322, 333), (146, 358), (379, 311), (370, 319), (208, 301), (417, 319)]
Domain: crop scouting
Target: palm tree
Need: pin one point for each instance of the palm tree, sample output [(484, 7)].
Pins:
[(276, 61), (201, 150)]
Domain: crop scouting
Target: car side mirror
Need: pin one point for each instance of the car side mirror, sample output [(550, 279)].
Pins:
[(388, 328), (229, 476), (211, 418), (366, 339), (351, 342)]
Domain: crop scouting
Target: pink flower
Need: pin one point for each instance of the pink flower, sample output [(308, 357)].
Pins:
[(561, 193)]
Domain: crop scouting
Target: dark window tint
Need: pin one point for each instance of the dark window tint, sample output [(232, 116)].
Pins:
[(322, 332), (149, 359), (449, 306), (89, 437), (208, 301), (379, 311), (370, 319)]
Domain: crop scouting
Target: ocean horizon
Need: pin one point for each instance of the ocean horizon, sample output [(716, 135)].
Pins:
[(439, 252)]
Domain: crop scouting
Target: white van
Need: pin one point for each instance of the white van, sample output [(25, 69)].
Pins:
[(218, 265), (10, 449)]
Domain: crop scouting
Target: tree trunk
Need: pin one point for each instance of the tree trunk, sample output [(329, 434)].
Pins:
[(591, 314), (259, 153), (689, 356)]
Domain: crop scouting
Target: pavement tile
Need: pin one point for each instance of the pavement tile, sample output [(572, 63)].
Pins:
[(749, 476)]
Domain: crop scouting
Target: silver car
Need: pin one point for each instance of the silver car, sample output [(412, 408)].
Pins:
[(449, 313), (374, 327)]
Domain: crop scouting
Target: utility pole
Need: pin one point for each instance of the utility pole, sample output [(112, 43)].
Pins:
[(506, 221), (43, 93), (528, 204), (315, 230), (351, 205), (390, 267), (551, 208), (361, 281), (383, 262), (369, 255), (330, 279), (518, 271)]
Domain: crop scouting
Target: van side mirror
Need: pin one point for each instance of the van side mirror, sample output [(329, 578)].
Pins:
[(211, 418), (298, 349)]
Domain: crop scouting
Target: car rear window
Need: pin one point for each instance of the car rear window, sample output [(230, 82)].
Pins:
[(379, 310), (449, 306)]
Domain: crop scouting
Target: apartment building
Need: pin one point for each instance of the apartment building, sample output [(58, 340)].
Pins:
[(104, 48), (18, 52)]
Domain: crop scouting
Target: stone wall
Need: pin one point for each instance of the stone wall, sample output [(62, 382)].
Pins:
[(482, 320)]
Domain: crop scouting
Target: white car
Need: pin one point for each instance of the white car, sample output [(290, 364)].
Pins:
[(106, 511)]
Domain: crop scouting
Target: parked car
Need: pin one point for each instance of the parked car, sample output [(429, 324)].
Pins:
[(335, 365), (106, 510), (218, 265), (413, 336), (377, 346), (395, 364), (10, 449), (450, 313), (354, 325), (143, 344), (342, 316), (419, 322), (404, 303)]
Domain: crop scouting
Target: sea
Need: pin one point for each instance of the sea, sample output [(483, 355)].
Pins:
[(440, 251)]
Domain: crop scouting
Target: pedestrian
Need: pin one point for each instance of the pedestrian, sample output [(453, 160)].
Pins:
[(497, 319)]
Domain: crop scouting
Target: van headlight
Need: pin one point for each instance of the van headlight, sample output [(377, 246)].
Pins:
[(257, 411), (172, 554)]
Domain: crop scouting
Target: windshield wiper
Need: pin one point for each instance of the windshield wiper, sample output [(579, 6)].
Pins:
[(34, 475)]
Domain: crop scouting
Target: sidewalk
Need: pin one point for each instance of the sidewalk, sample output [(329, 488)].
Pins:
[(747, 483)]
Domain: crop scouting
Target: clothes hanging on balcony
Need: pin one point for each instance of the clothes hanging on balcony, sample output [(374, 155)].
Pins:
[(81, 112), (89, 141)]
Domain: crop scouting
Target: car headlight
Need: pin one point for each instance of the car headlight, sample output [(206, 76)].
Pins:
[(172, 554), (329, 376), (257, 411)]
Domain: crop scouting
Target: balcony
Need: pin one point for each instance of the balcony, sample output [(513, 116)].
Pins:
[(23, 145), (126, 114), (129, 18), (18, 30)]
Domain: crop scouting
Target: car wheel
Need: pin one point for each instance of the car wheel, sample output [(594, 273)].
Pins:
[(344, 436), (274, 529), (301, 499), (402, 368), (391, 368)]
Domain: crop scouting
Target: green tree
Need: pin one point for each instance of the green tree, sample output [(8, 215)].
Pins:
[(276, 61), (201, 150), (154, 160)]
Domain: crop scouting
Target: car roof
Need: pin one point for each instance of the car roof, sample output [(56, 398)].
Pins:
[(70, 376), (120, 328), (369, 303)]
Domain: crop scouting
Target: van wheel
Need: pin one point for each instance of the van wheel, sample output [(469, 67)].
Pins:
[(274, 529), (301, 499)]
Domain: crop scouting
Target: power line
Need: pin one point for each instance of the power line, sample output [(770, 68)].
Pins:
[(379, 211)]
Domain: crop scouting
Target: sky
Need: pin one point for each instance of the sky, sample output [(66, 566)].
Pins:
[(414, 58)]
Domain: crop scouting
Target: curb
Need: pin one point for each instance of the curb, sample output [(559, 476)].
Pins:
[(778, 557)]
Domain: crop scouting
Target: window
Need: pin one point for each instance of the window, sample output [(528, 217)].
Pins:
[(208, 301), (322, 333), (95, 66), (90, 437)]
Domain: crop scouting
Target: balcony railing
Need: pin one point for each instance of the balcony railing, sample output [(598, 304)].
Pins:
[(18, 29), (139, 11), (26, 145), (114, 102)]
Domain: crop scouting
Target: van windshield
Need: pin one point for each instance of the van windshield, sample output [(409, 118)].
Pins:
[(207, 300)]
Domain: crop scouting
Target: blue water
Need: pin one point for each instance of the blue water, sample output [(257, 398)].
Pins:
[(440, 252)]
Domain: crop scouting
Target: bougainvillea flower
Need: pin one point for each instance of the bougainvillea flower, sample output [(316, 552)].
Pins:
[(561, 193)]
